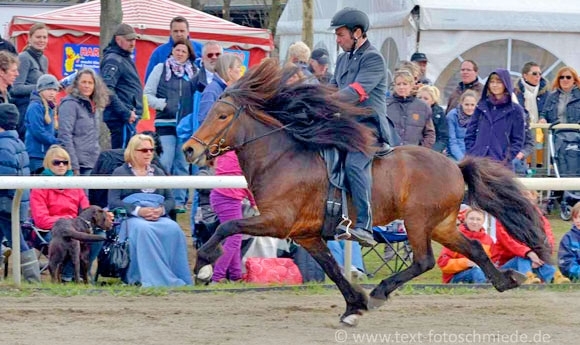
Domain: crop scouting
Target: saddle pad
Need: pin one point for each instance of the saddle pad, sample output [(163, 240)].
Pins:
[(272, 271)]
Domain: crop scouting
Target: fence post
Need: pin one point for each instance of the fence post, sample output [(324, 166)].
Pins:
[(16, 236)]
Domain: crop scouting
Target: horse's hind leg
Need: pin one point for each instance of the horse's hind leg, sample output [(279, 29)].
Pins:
[(450, 237), (355, 297), (423, 261)]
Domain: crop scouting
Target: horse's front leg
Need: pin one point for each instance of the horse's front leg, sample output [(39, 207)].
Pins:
[(355, 297)]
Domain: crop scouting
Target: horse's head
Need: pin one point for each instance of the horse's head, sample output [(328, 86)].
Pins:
[(215, 136)]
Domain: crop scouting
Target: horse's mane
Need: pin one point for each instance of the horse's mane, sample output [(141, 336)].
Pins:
[(318, 120)]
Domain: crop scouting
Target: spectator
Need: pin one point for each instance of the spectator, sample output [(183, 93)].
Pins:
[(6, 45), (421, 60), (318, 65), (563, 103), (361, 79), (357, 269), (509, 253), (412, 117), (469, 81), (170, 90), (456, 268), (415, 71), (569, 252), (49, 205), (33, 64), (299, 54), (40, 120), (158, 246), (8, 74), (126, 94), (497, 129), (292, 74), (228, 69), (430, 95), (14, 162), (227, 204), (210, 53), (179, 30), (457, 121), (79, 123), (531, 91)]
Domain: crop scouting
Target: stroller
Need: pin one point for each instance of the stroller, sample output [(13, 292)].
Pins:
[(565, 156)]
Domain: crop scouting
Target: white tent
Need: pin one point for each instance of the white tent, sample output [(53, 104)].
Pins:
[(494, 33)]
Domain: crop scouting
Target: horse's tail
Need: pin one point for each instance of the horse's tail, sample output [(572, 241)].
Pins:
[(492, 187)]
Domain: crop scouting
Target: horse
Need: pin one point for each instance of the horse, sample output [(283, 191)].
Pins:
[(278, 131)]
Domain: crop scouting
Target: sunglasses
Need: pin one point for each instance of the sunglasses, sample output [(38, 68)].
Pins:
[(536, 73), (145, 150), (565, 77), (211, 55), (57, 162)]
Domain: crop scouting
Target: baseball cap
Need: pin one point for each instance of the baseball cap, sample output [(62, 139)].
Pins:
[(418, 57), (126, 31), (320, 55)]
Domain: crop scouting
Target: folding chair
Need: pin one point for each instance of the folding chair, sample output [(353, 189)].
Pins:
[(38, 239), (391, 238)]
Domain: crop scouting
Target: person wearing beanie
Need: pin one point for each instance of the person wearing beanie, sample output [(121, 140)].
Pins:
[(41, 120), (318, 65), (14, 162)]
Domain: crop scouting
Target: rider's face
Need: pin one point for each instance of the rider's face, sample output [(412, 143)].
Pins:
[(344, 38)]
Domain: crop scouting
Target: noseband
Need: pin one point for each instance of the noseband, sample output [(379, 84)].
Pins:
[(214, 150)]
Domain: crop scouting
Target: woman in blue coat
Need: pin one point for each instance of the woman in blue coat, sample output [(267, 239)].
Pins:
[(457, 121), (497, 129)]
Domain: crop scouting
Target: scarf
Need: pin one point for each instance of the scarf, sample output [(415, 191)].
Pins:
[(36, 55), (178, 69), (462, 118), (530, 103), (48, 172), (503, 100)]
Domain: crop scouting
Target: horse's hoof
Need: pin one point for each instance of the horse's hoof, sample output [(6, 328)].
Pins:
[(205, 273), (375, 303), (351, 320)]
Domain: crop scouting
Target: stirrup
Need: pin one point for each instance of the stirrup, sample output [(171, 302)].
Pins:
[(342, 230)]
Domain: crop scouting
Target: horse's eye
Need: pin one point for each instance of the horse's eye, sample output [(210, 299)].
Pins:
[(223, 116)]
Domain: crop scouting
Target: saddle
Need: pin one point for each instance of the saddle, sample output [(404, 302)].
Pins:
[(336, 211)]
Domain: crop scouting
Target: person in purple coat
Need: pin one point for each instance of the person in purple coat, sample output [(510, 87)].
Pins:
[(497, 129)]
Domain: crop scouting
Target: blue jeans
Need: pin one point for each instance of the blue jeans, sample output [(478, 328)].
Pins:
[(473, 275), (522, 265), (337, 250), (520, 166), (6, 232), (173, 160)]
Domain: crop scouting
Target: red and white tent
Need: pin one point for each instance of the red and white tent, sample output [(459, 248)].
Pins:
[(79, 25)]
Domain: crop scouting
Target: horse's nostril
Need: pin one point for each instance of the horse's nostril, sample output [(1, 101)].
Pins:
[(189, 149)]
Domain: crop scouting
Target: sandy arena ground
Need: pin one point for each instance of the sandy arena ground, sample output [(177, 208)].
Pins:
[(286, 317)]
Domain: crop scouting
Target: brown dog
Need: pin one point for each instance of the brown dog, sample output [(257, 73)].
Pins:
[(66, 234)]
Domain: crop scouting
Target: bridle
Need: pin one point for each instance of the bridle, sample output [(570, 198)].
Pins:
[(214, 150)]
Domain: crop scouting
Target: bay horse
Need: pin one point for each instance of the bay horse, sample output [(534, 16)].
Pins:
[(278, 131)]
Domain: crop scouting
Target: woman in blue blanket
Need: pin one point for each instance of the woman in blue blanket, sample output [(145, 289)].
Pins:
[(158, 249)]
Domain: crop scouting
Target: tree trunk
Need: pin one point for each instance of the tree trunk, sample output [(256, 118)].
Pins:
[(273, 16), (226, 10), (111, 17), (308, 23)]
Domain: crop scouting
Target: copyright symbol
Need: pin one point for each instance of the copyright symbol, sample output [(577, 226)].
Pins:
[(340, 336)]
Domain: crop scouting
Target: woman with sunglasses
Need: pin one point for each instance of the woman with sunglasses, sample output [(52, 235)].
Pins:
[(79, 124), (49, 205), (158, 246), (563, 104)]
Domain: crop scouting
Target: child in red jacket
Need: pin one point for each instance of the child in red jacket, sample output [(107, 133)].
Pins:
[(457, 268)]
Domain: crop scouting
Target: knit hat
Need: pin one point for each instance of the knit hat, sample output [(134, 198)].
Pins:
[(47, 82), (126, 31), (8, 116)]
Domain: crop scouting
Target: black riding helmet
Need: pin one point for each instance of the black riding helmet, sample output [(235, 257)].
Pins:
[(351, 18)]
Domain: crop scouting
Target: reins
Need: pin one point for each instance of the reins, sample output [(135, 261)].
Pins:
[(209, 153)]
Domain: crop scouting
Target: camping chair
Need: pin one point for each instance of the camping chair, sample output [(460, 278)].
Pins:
[(38, 239), (392, 239)]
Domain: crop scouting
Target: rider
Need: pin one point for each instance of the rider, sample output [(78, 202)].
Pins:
[(360, 76)]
